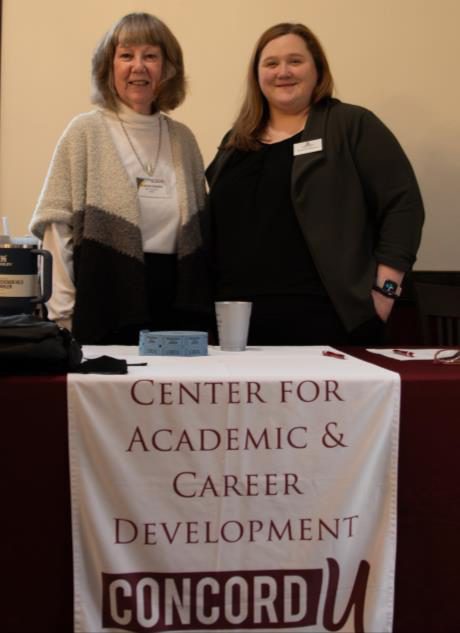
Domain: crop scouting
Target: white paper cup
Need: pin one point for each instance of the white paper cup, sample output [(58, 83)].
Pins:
[(233, 324)]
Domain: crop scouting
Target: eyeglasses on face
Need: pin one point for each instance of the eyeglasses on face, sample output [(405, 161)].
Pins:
[(447, 357)]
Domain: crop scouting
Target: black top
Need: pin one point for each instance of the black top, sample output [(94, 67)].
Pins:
[(260, 249)]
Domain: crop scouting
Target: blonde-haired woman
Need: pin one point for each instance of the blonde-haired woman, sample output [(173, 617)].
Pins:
[(315, 212), (119, 207)]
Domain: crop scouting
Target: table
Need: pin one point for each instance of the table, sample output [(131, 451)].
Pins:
[(428, 558), (36, 528)]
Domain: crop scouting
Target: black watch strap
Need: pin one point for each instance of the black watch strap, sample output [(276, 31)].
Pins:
[(389, 289)]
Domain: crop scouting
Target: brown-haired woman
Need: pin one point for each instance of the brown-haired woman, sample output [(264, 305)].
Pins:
[(120, 203), (315, 212)]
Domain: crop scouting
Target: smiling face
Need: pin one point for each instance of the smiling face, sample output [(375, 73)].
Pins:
[(137, 71), (287, 74)]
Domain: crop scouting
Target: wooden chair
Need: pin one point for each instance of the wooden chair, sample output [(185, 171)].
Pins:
[(439, 313)]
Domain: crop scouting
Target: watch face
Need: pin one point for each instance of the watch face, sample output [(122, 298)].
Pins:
[(389, 286)]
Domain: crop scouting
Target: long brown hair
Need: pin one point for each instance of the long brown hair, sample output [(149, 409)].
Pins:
[(253, 116), (139, 28)]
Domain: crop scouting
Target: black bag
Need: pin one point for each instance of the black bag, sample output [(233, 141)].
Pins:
[(29, 345)]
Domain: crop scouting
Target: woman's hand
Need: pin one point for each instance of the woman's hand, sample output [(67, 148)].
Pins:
[(66, 323), (383, 305)]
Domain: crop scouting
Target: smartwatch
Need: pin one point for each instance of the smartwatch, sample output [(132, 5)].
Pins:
[(389, 289)]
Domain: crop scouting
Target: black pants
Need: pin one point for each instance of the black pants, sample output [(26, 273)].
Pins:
[(306, 320)]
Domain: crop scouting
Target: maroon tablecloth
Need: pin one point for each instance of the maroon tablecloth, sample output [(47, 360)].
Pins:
[(36, 522), (37, 593), (428, 551)]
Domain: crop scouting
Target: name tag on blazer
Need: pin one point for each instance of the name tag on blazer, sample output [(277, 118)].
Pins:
[(308, 147)]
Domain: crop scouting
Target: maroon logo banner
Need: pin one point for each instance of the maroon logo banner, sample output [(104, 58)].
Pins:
[(259, 600)]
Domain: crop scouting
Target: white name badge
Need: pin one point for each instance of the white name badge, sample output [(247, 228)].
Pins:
[(152, 188), (308, 147)]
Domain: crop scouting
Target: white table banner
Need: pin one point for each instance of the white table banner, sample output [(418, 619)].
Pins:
[(247, 491)]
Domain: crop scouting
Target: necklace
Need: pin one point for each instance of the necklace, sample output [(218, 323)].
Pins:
[(149, 168), (273, 135), (286, 128)]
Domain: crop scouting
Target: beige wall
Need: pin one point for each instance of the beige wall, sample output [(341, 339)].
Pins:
[(397, 57)]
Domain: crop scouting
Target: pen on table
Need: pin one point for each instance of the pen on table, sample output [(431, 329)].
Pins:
[(333, 354), (403, 352)]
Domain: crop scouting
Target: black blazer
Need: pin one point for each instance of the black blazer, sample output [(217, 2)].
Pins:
[(357, 202)]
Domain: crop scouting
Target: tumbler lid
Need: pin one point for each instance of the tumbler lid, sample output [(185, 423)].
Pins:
[(28, 241)]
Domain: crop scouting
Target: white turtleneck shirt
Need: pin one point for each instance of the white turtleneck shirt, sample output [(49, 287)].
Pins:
[(159, 219)]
